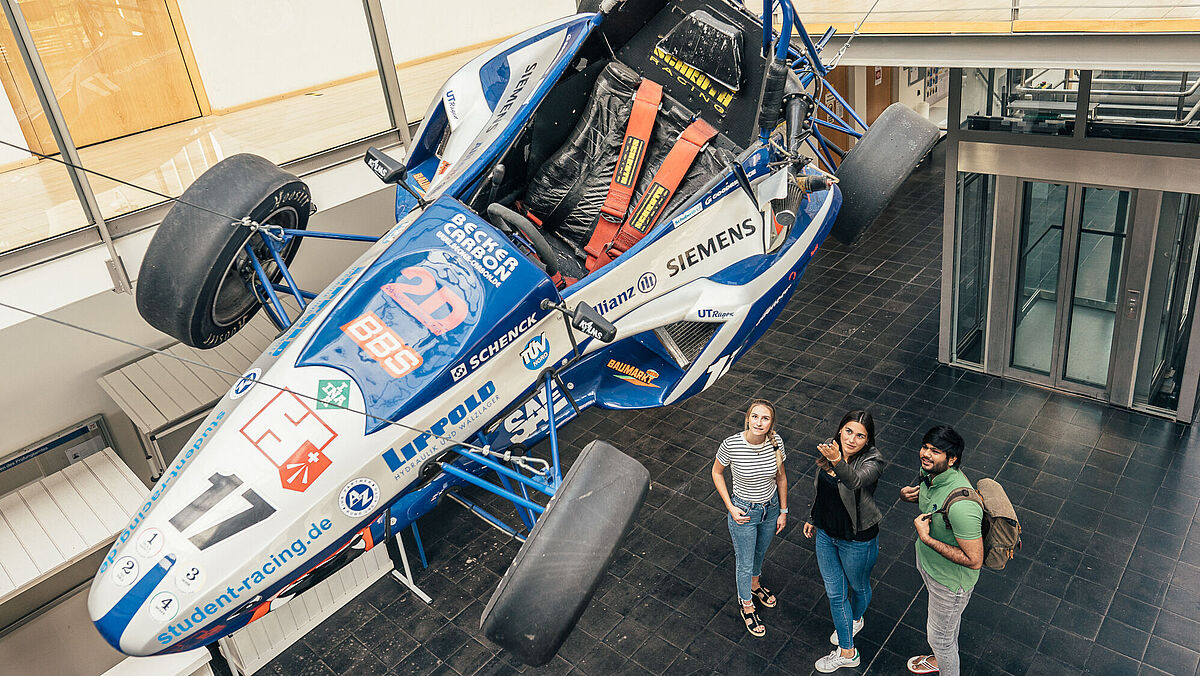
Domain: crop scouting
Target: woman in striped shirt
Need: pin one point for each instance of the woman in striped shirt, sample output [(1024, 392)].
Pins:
[(758, 506)]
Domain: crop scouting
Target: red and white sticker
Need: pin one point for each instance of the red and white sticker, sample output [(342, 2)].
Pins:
[(440, 309), (383, 345), (293, 438)]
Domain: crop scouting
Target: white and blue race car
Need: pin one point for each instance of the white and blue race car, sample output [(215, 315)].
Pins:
[(606, 210)]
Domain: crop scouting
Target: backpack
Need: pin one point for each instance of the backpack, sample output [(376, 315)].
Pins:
[(1001, 530)]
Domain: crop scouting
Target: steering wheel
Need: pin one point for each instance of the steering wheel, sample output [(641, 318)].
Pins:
[(501, 216)]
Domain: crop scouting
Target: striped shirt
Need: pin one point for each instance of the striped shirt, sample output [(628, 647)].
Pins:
[(753, 466)]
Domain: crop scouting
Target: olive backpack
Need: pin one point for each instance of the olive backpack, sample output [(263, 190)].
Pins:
[(1000, 527)]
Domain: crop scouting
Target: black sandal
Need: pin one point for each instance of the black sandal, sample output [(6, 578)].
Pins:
[(764, 596), (753, 624)]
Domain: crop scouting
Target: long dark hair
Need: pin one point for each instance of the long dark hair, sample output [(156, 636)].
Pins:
[(863, 418)]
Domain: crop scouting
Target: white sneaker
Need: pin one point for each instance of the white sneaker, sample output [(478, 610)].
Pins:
[(834, 661), (858, 625)]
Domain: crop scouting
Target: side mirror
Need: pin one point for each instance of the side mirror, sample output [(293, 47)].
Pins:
[(587, 320), (387, 169)]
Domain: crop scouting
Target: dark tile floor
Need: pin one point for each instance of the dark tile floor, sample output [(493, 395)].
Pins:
[(1108, 581)]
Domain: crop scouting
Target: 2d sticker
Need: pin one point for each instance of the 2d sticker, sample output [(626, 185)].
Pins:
[(293, 438), (439, 309)]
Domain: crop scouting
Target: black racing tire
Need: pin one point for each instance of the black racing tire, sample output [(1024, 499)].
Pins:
[(192, 281), (875, 168), (555, 573)]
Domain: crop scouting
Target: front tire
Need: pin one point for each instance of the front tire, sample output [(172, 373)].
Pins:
[(878, 165), (555, 573), (193, 281)]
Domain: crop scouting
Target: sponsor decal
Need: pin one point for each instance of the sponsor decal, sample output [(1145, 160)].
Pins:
[(632, 374), (189, 579), (149, 543), (125, 571), (647, 282), (293, 438), (462, 415), (490, 350), (268, 568), (243, 385), (709, 313), (718, 194), (163, 606), (610, 304), (716, 95), (451, 102), (382, 344), (714, 245), (166, 480), (333, 394), (631, 156), (314, 308), (688, 214), (525, 421), (649, 208), (505, 107), (359, 497), (483, 252), (422, 182), (536, 352), (439, 309), (220, 490)]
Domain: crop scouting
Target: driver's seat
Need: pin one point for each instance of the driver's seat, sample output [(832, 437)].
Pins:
[(568, 189)]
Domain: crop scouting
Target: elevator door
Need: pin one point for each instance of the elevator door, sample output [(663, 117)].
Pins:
[(1069, 258)]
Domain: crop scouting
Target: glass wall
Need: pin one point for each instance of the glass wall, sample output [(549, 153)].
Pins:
[(1145, 105), (972, 266), (40, 199), (1026, 101), (1043, 214), (1170, 305)]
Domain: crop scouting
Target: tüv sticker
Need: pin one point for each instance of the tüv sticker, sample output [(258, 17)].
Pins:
[(536, 352)]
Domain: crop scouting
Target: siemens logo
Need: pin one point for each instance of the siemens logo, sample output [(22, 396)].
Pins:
[(714, 245)]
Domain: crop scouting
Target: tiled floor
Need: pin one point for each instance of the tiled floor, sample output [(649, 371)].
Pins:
[(1108, 581)]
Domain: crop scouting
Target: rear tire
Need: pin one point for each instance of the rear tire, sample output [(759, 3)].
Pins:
[(878, 165), (553, 577), (192, 282)]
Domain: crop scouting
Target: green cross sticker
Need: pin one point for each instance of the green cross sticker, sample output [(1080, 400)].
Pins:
[(333, 394)]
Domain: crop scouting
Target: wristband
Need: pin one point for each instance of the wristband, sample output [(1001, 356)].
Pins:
[(783, 511)]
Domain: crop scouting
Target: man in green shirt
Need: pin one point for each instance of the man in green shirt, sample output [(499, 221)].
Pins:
[(949, 558)]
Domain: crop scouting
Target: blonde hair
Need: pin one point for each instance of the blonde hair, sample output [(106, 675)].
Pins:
[(771, 435)]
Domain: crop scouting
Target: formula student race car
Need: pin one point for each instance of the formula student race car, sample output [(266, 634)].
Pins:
[(609, 209)]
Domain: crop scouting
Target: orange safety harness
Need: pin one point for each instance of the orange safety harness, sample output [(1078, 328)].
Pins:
[(614, 234)]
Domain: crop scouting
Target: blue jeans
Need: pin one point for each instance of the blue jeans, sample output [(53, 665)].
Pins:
[(750, 540), (846, 569)]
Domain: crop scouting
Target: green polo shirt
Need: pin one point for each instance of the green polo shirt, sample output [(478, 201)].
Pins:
[(967, 518)]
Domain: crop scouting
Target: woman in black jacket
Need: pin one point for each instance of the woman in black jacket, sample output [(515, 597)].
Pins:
[(845, 521)]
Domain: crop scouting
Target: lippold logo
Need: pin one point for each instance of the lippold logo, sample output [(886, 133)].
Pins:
[(465, 413)]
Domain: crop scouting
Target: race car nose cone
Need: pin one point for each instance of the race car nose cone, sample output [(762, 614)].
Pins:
[(114, 619)]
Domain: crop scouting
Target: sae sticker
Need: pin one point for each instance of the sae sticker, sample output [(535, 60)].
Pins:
[(359, 497)]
